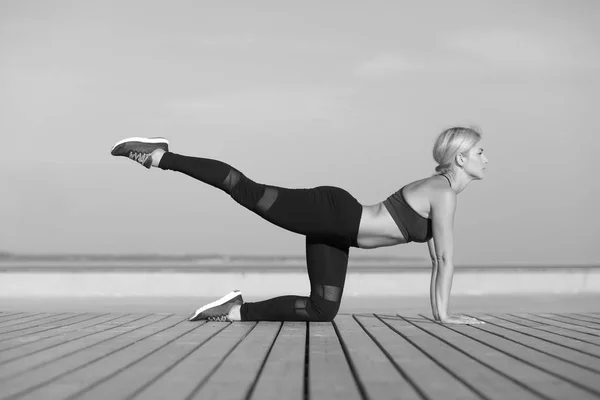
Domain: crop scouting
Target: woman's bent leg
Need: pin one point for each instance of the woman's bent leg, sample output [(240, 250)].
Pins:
[(327, 262), (322, 211)]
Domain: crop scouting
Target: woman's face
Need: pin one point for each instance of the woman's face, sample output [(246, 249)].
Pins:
[(476, 162)]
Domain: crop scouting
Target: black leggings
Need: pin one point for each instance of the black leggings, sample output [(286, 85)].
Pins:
[(328, 216)]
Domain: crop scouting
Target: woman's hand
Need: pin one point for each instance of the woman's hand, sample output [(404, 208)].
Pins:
[(459, 319)]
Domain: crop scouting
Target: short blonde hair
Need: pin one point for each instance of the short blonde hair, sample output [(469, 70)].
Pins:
[(451, 142)]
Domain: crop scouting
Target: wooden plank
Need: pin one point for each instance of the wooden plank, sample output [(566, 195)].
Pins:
[(133, 379), (96, 334), (572, 321), (37, 324), (283, 373), (548, 347), (98, 346), (21, 316), (491, 373), (455, 353), (10, 315), (28, 337), (378, 376), (238, 372), (182, 381), (46, 340), (560, 332), (591, 315), (49, 325), (27, 318), (26, 321), (429, 379), (584, 317), (566, 380), (551, 337), (591, 333), (77, 382), (329, 374)]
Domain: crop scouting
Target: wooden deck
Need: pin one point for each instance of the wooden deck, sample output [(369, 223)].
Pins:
[(360, 356)]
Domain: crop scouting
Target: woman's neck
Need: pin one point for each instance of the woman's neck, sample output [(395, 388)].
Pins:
[(458, 180)]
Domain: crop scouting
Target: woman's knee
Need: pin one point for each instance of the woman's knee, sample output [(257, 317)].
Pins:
[(326, 310), (245, 191), (256, 197)]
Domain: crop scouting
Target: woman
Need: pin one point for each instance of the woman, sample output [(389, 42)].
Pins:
[(333, 221)]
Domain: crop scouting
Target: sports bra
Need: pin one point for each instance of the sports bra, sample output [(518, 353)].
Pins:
[(414, 227)]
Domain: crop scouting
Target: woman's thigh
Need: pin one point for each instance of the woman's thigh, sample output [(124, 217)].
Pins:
[(318, 212), (327, 263)]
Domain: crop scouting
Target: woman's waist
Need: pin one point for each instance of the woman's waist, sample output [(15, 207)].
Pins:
[(377, 222)]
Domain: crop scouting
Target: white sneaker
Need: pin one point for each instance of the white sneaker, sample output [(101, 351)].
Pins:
[(139, 149), (218, 310)]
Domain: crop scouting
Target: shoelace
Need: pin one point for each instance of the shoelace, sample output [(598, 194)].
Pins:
[(219, 318), (139, 157)]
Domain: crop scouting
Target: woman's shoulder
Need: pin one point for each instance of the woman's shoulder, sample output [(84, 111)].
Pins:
[(425, 194), (435, 185), (441, 194)]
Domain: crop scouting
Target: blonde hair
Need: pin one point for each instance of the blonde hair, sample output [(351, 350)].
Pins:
[(451, 142)]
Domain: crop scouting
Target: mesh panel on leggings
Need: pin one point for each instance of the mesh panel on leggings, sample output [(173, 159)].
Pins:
[(232, 179), (300, 307), (330, 293), (267, 199)]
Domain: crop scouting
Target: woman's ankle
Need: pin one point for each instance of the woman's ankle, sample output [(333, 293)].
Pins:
[(157, 156), (235, 313)]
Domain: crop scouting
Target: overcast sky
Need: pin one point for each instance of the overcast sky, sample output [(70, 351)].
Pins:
[(297, 94)]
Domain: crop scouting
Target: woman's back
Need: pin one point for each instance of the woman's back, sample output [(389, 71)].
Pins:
[(378, 228)]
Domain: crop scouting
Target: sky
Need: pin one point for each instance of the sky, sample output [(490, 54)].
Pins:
[(297, 94)]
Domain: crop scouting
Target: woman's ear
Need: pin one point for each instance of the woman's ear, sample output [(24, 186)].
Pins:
[(460, 159)]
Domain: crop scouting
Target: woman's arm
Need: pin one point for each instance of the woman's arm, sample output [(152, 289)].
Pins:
[(442, 251), (443, 208), (434, 270)]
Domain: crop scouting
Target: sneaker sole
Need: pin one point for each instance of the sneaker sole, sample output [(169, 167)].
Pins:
[(143, 140), (216, 303)]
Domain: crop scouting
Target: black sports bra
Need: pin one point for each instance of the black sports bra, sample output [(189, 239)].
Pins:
[(414, 227)]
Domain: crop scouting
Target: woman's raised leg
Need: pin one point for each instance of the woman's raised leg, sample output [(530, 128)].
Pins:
[(321, 211)]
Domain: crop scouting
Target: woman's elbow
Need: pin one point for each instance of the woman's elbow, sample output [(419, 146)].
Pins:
[(443, 259)]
